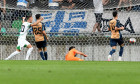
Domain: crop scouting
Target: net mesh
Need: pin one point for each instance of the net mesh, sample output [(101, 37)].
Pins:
[(73, 27)]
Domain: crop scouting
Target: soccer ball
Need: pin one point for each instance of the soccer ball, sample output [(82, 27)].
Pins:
[(132, 40)]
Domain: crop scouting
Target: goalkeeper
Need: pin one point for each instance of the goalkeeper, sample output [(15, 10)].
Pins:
[(71, 56)]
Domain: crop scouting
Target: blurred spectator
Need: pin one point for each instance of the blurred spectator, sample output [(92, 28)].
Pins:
[(54, 4), (105, 2), (98, 11), (125, 3), (68, 4), (23, 3), (2, 9), (32, 1)]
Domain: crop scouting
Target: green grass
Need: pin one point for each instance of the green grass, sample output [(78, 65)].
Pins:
[(62, 72)]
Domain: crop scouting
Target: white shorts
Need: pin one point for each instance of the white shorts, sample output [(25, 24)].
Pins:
[(22, 43)]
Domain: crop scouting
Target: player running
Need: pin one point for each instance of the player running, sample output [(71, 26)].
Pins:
[(116, 36), (71, 56), (22, 42), (40, 38)]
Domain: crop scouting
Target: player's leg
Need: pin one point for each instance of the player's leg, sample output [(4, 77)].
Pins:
[(113, 44), (13, 54), (39, 46), (45, 53), (74, 59), (41, 53), (30, 49), (44, 44), (121, 43)]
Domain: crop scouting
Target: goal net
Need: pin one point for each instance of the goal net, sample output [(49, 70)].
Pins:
[(67, 27)]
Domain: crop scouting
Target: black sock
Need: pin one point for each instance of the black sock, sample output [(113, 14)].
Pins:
[(46, 55), (42, 56)]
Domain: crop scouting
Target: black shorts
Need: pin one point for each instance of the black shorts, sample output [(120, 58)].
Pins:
[(113, 42), (41, 44), (98, 17)]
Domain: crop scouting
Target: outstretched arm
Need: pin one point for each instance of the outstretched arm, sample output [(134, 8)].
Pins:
[(78, 52), (38, 21)]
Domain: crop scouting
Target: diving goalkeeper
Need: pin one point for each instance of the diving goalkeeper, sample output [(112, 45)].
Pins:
[(71, 56)]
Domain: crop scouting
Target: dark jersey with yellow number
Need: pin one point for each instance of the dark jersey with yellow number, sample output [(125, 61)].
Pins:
[(38, 32), (115, 34)]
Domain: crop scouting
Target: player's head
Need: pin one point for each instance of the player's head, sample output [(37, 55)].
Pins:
[(71, 48), (29, 18), (37, 16), (115, 14)]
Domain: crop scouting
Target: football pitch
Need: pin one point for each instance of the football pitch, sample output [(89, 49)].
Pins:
[(62, 72)]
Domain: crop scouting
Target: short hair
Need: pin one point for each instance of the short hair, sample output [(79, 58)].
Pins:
[(115, 13), (71, 48), (27, 17), (37, 16)]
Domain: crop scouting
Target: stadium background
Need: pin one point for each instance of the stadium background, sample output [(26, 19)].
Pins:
[(73, 29)]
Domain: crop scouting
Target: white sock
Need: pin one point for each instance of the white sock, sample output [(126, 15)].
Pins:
[(109, 56), (13, 54), (28, 53)]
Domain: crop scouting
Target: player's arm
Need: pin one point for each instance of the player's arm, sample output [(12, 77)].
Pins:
[(78, 52), (38, 21), (44, 33), (121, 28), (23, 19), (109, 28)]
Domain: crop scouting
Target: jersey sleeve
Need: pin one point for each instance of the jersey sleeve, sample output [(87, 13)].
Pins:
[(43, 27)]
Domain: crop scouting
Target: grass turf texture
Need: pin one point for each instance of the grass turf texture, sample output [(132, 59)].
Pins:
[(62, 72)]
